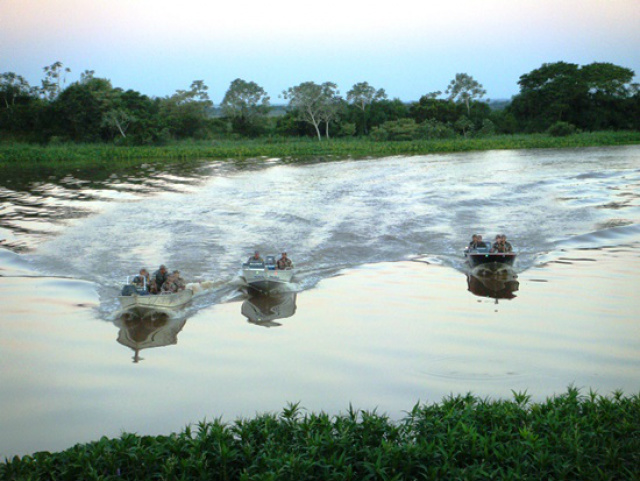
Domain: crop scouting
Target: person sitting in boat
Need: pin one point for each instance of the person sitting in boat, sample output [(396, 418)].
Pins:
[(476, 242), (179, 281), (256, 257), (284, 262), (169, 286), (160, 277), (497, 245), (142, 281), (506, 244), (501, 245)]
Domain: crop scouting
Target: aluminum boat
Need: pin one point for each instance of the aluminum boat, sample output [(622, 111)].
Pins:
[(137, 296), (265, 277), (482, 256)]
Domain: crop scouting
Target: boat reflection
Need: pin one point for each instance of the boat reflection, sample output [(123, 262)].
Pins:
[(146, 329), (263, 310), (500, 284)]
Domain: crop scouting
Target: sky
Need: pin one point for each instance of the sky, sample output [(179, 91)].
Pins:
[(407, 47)]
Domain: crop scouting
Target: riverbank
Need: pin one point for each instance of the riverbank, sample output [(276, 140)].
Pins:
[(570, 436), (291, 149)]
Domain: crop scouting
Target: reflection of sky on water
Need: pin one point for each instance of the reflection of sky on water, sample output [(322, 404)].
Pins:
[(385, 335)]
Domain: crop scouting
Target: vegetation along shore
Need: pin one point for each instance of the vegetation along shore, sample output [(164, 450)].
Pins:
[(569, 436), (25, 154)]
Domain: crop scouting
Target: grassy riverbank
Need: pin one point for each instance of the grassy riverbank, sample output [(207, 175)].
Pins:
[(570, 436), (293, 149)]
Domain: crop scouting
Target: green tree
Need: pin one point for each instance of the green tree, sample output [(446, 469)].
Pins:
[(430, 108), (464, 88), (591, 97), (313, 103), (79, 111), (362, 95), (332, 105), (246, 105), (187, 112), (54, 80), (20, 107)]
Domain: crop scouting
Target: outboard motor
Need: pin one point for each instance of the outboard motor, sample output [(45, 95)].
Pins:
[(270, 263)]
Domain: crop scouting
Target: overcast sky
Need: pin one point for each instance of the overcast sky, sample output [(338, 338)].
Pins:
[(409, 48)]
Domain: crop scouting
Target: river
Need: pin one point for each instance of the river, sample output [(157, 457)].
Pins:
[(384, 314)]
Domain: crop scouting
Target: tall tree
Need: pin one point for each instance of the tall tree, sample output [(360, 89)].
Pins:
[(362, 95), (13, 87), (307, 100), (245, 104), (592, 97), (54, 80), (464, 88), (331, 105), (80, 110), (186, 112)]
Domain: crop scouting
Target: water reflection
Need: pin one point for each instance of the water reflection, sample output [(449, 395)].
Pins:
[(500, 284), (263, 310), (146, 329)]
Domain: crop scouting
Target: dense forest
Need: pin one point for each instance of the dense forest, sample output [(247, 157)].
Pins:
[(558, 98)]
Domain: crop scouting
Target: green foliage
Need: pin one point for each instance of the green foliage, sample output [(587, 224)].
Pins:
[(361, 96), (594, 97), (432, 129), (395, 130), (571, 436), (464, 88), (591, 97), (293, 149), (561, 129), (246, 105)]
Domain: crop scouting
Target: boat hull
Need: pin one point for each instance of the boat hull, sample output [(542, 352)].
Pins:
[(156, 302), (267, 280), (490, 260)]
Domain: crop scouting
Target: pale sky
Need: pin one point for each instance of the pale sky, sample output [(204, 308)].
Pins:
[(408, 48)]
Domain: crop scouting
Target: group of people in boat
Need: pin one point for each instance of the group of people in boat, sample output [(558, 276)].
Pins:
[(283, 263), (500, 245), (161, 282)]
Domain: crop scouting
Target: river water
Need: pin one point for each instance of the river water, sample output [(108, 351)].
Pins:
[(384, 313)]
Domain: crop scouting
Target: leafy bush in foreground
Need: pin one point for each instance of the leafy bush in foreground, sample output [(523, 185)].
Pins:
[(567, 437)]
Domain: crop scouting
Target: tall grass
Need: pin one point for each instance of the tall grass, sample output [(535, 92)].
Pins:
[(570, 437), (293, 149)]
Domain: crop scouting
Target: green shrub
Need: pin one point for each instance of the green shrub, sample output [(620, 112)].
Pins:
[(570, 436), (396, 130), (561, 129), (433, 129)]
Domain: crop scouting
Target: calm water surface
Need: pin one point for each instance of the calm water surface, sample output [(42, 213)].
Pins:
[(384, 315)]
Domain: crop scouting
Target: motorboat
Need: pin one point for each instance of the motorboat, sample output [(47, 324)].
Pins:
[(137, 296), (265, 277), (482, 256)]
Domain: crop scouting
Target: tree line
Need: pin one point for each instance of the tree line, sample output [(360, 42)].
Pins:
[(559, 98)]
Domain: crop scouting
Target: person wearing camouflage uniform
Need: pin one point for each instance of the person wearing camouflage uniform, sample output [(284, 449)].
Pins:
[(160, 277), (284, 262)]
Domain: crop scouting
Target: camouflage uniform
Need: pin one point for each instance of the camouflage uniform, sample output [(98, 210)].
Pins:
[(284, 263), (170, 285), (160, 278)]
